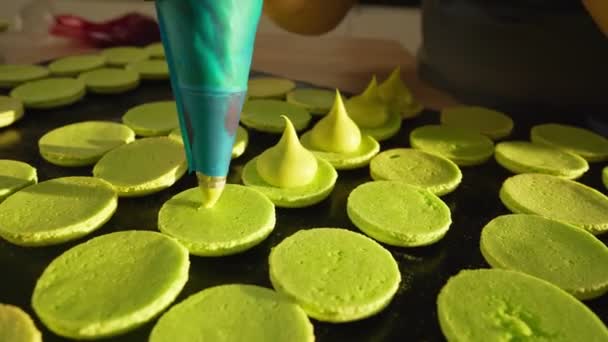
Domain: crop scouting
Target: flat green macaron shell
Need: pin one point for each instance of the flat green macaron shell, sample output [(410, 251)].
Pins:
[(83, 143), (75, 65), (462, 146), (143, 167), (152, 119), (11, 75), (335, 275), (486, 121), (151, 69), (123, 55), (501, 305), (527, 157), (559, 253), (298, 197), (56, 211), (110, 80), (398, 214), (15, 175), (156, 50), (269, 87), (265, 115), (234, 313), (418, 168), (240, 141), (11, 110), (241, 219), (358, 158), (316, 101), (583, 142), (556, 198), (17, 326), (50, 93), (110, 284)]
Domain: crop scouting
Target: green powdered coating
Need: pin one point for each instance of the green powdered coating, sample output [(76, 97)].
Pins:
[(17, 326), (241, 219), (56, 211), (12, 75), (143, 167), (15, 175), (556, 198), (335, 275), (265, 115), (414, 167), (269, 87), (585, 143), (316, 101), (358, 158), (559, 253), (110, 284), (156, 50), (240, 141), (526, 157), (234, 313), (83, 143), (123, 55), (398, 214), (11, 110), (499, 305), (157, 69), (486, 121), (110, 80), (74, 65), (463, 147), (152, 119), (50, 92), (298, 197)]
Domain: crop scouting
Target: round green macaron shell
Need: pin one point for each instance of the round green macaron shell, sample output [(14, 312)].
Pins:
[(398, 214), (269, 87), (386, 131), (335, 275), (75, 65), (527, 157), (605, 177), (241, 219), (486, 121), (151, 69), (110, 80), (123, 55), (17, 326), (462, 146), (233, 313), (587, 144), (265, 115), (503, 305), (556, 252), (358, 158), (143, 167), (50, 93), (56, 211), (83, 143), (12, 75), (156, 50), (15, 175), (240, 141), (110, 284), (297, 197), (316, 101), (556, 198), (152, 119), (11, 110), (418, 168)]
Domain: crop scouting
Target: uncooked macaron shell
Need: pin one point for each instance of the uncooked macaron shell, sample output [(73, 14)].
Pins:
[(152, 119), (526, 157), (17, 326), (486, 121), (241, 219), (156, 50), (269, 87), (12, 75), (75, 65), (50, 92), (83, 143), (143, 167), (265, 115), (15, 175), (335, 275), (234, 312), (462, 146), (587, 144), (556, 198), (151, 69), (316, 101), (110, 80), (110, 284), (11, 110), (559, 253), (56, 211), (123, 55), (418, 168), (240, 141), (498, 305)]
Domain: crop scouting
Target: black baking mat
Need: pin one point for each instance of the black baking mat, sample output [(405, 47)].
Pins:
[(412, 314)]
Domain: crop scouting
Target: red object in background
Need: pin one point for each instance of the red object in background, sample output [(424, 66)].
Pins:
[(130, 29)]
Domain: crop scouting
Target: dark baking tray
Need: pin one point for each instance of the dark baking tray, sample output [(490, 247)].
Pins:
[(412, 314)]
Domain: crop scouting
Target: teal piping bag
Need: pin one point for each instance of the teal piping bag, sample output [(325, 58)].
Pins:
[(209, 46)]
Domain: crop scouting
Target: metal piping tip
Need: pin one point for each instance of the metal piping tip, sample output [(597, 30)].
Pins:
[(211, 189)]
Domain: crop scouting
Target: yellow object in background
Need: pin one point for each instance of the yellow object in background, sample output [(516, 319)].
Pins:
[(599, 12)]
